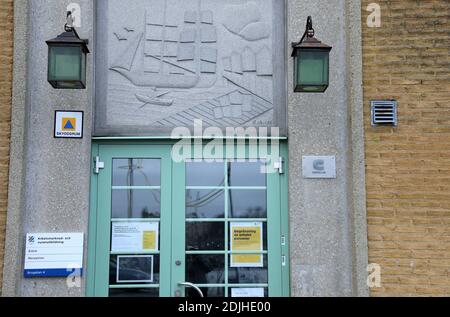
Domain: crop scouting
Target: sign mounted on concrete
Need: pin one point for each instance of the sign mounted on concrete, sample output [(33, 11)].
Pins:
[(53, 255), (69, 125), (319, 167)]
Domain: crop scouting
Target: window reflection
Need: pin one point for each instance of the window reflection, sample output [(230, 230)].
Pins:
[(246, 174), (136, 172), (205, 174), (205, 203), (207, 292), (247, 203), (136, 203), (205, 236), (205, 269)]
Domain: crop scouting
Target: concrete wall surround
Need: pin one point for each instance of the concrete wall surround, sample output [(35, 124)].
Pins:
[(327, 217)]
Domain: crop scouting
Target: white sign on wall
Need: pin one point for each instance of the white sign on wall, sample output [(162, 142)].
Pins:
[(319, 166), (53, 255), (69, 124)]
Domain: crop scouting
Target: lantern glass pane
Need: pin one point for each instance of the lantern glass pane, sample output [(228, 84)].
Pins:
[(312, 67), (83, 67), (65, 63)]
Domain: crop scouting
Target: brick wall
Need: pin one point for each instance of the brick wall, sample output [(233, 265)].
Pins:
[(6, 52), (408, 168)]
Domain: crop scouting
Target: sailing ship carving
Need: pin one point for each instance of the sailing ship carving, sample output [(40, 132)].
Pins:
[(155, 99), (166, 55), (172, 63)]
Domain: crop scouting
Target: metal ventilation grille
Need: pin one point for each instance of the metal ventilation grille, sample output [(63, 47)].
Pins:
[(384, 113)]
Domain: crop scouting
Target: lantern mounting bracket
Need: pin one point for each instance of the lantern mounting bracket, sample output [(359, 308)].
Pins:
[(309, 32), (69, 22), (308, 39), (68, 27)]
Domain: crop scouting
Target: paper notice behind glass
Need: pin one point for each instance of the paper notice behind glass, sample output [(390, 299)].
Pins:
[(134, 236), (246, 236), (247, 292)]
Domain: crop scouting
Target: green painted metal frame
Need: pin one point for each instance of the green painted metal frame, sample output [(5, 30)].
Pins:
[(284, 219), (92, 230), (173, 249), (100, 226)]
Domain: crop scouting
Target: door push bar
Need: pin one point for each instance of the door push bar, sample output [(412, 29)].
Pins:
[(187, 284)]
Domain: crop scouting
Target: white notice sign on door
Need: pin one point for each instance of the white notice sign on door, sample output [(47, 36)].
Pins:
[(247, 292), (135, 236)]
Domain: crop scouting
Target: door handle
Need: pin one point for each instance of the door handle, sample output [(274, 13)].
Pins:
[(187, 284)]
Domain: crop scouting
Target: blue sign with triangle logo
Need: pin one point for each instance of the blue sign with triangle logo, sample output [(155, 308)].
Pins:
[(69, 125)]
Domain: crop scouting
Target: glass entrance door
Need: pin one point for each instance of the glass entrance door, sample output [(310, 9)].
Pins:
[(191, 228), (130, 224)]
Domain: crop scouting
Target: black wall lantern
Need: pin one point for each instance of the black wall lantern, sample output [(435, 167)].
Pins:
[(311, 62), (67, 59)]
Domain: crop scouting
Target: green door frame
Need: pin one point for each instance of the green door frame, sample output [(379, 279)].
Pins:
[(100, 219)]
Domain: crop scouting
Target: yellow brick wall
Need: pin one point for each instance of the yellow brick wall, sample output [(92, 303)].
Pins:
[(6, 52), (408, 168)]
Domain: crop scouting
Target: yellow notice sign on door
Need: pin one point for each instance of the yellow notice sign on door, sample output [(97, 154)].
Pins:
[(149, 240), (246, 236)]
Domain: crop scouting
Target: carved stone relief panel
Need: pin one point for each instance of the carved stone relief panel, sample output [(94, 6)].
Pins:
[(160, 64)]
